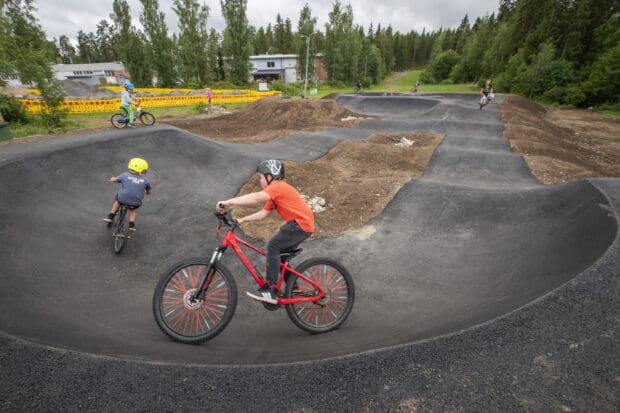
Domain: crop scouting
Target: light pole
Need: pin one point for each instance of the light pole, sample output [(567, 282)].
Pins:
[(307, 57)]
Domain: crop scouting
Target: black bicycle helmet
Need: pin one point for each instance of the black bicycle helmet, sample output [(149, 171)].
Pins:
[(273, 167)]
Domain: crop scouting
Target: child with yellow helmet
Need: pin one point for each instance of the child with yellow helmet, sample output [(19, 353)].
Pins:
[(134, 186)]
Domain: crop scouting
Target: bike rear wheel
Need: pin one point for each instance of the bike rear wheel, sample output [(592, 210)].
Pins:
[(121, 233), (194, 322), (119, 120), (332, 310), (147, 118)]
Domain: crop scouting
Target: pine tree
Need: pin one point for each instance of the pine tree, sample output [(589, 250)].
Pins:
[(236, 40), (159, 47)]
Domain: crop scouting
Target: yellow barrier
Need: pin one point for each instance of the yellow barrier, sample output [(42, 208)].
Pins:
[(111, 105)]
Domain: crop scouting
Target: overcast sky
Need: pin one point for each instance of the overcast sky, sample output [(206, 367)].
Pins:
[(58, 17)]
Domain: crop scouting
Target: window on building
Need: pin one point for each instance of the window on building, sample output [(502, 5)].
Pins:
[(271, 64)]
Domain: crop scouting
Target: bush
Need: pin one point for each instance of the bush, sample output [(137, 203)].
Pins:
[(287, 89), (53, 95), (200, 107), (12, 110)]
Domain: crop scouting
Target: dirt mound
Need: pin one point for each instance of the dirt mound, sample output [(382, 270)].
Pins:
[(76, 88), (357, 179), (272, 118), (562, 145)]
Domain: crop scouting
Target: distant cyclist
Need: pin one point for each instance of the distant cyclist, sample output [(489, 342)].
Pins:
[(486, 93), (127, 100), (287, 202), (134, 186)]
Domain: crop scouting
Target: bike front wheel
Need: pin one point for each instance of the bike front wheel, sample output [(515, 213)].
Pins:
[(121, 235), (119, 120), (332, 310), (147, 118), (194, 321)]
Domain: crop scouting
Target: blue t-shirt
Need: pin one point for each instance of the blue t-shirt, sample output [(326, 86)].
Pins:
[(132, 188)]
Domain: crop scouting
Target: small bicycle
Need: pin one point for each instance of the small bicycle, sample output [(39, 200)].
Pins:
[(121, 229), (120, 119), (484, 100), (196, 298)]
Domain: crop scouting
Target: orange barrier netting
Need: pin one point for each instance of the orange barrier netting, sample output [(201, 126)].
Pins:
[(111, 105)]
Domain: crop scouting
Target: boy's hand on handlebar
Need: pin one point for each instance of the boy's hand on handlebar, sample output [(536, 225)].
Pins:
[(220, 207)]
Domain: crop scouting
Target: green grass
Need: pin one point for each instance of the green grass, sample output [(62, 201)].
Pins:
[(403, 82), (101, 120)]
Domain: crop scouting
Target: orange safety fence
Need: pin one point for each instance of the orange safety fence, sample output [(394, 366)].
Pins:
[(111, 105)]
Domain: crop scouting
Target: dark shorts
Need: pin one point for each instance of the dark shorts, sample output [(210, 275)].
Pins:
[(127, 205)]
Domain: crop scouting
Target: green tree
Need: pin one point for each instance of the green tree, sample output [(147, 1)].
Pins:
[(193, 39), (305, 30), (213, 45), (342, 45), (87, 47), (24, 50), (545, 72), (159, 48), (261, 43), (279, 35), (104, 44), (603, 83), (67, 51), (236, 40), (440, 67), (129, 44)]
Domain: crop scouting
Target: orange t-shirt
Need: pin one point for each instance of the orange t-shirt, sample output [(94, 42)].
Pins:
[(288, 204)]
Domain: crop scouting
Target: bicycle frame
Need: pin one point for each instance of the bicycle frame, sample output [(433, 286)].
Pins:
[(231, 240)]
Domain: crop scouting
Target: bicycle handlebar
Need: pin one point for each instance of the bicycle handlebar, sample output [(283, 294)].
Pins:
[(225, 219)]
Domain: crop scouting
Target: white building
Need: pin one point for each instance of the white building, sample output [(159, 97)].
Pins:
[(274, 67), (112, 73)]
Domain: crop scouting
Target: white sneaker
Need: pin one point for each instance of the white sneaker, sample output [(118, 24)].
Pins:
[(264, 294)]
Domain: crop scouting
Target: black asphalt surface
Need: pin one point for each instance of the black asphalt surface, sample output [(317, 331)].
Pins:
[(478, 288)]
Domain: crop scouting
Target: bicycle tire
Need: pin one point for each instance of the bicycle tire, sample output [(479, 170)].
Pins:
[(147, 118), (115, 119), (330, 312), (121, 234), (194, 323)]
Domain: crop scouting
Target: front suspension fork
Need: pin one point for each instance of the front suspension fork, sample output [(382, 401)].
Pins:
[(206, 280)]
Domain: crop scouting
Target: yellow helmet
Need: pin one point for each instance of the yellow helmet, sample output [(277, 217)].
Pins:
[(138, 165)]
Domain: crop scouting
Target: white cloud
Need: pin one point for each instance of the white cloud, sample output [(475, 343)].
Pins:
[(67, 17)]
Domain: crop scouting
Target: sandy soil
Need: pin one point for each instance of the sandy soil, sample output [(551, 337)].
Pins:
[(562, 145)]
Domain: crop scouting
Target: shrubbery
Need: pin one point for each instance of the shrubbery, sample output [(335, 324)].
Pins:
[(12, 110)]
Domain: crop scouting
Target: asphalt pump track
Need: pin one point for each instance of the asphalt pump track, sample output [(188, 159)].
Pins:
[(476, 286)]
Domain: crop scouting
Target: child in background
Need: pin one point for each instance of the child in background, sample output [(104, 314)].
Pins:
[(127, 101)]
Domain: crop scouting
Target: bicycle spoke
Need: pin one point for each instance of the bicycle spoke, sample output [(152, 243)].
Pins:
[(202, 315), (328, 311)]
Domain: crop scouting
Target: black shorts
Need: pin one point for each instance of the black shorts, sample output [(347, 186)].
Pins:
[(127, 205)]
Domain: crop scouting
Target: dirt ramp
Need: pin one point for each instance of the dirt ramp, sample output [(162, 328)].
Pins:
[(272, 118)]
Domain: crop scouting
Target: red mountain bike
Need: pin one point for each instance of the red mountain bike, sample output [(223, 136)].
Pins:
[(195, 300)]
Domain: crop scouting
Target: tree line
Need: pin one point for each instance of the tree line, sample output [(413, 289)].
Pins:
[(556, 51), (565, 51)]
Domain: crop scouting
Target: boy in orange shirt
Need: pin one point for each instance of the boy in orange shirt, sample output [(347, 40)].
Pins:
[(285, 200)]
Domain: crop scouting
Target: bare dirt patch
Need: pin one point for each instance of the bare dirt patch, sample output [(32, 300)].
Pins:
[(562, 145), (272, 118), (357, 179)]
